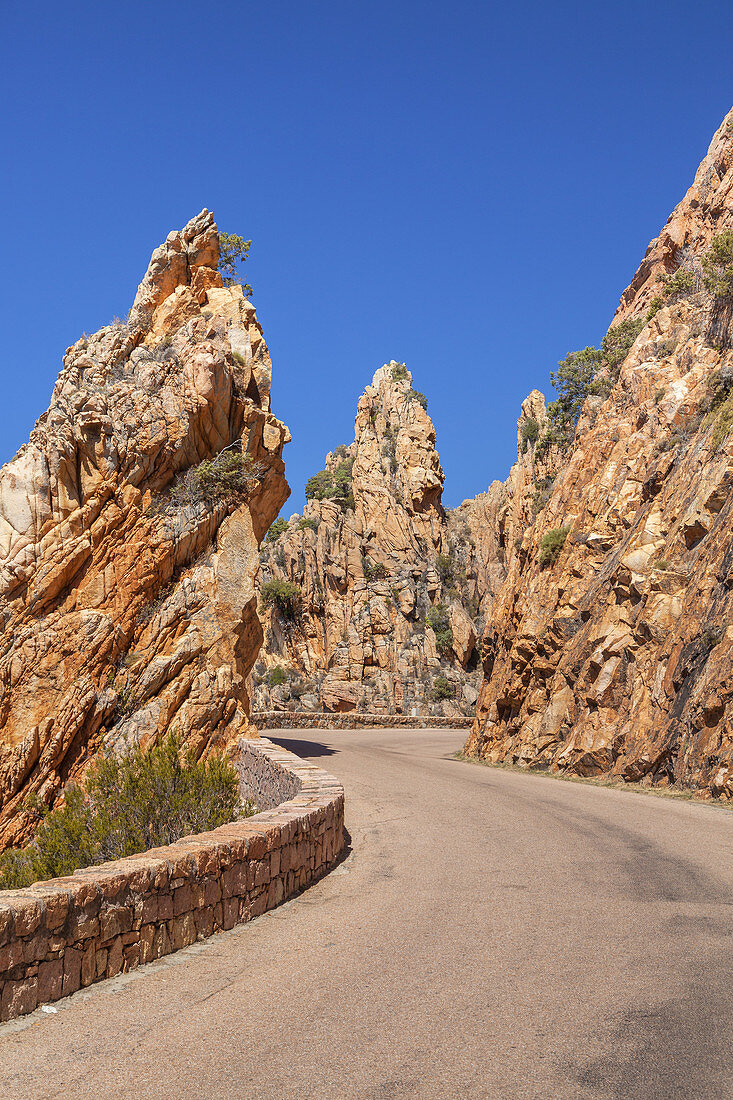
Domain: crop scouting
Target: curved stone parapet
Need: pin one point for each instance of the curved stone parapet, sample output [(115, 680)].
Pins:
[(64, 934), (345, 720)]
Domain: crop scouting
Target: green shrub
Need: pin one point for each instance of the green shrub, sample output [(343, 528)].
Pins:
[(442, 688), (399, 371), (421, 399), (679, 285), (617, 343), (228, 477), (711, 637), (233, 251), (654, 307), (530, 432), (276, 677), (333, 485), (717, 265), (308, 524), (581, 373), (278, 528), (445, 566), (542, 493), (281, 594), (129, 803), (572, 381), (720, 415), (437, 619), (551, 544)]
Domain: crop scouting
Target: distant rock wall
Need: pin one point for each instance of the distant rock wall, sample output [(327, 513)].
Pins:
[(392, 589)]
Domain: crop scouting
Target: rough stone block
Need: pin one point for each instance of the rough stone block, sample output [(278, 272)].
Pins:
[(113, 921), (89, 964), (50, 980), (72, 971), (18, 998)]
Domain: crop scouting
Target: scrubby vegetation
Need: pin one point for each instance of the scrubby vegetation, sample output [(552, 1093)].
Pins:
[(140, 800), (581, 374), (376, 572), (542, 493), (717, 266), (530, 433), (415, 395), (551, 545), (224, 479), (399, 371), (308, 524), (720, 414), (276, 677), (678, 285), (278, 528), (233, 251), (281, 594), (442, 688), (437, 619), (334, 485)]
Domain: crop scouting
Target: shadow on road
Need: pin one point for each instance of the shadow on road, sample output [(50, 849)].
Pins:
[(304, 748)]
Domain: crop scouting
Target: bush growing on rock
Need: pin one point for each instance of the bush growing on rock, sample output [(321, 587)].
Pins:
[(678, 285), (421, 399), (717, 265), (224, 479), (308, 524), (530, 433), (233, 251), (582, 374), (399, 371), (551, 545), (333, 485), (442, 688), (437, 619), (276, 677), (281, 594), (720, 414), (129, 803), (278, 528)]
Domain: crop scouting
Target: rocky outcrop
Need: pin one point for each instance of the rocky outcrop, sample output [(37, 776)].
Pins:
[(611, 654), (129, 532), (390, 587)]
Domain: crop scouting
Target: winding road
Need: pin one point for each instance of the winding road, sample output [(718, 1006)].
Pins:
[(490, 934)]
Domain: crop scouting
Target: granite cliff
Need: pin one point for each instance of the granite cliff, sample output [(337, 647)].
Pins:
[(387, 587), (610, 646), (130, 527)]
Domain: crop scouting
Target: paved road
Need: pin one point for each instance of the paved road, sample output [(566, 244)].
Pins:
[(491, 934)]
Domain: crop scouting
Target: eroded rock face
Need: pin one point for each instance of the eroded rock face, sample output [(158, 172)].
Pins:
[(370, 572), (616, 660), (127, 610)]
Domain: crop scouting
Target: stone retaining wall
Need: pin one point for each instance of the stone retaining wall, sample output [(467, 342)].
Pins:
[(59, 936), (311, 720)]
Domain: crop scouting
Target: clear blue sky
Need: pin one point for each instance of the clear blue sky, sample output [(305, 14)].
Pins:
[(467, 187)]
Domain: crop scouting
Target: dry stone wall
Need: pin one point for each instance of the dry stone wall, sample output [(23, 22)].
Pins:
[(62, 935), (304, 720)]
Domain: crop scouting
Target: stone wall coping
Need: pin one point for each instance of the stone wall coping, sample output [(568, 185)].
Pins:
[(63, 934), (306, 719)]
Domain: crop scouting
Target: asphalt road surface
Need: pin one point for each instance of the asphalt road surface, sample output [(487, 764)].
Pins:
[(490, 934)]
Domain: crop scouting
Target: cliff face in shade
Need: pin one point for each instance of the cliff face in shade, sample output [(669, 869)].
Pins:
[(128, 610), (618, 659), (369, 574)]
